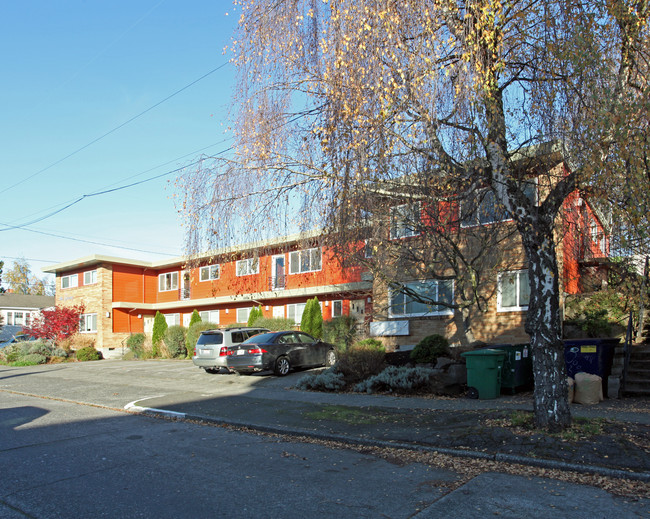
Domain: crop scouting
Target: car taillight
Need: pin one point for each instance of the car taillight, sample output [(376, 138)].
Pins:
[(195, 352), (230, 352), (253, 351), (223, 351)]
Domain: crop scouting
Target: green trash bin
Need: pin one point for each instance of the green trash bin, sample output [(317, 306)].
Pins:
[(517, 371), (484, 373)]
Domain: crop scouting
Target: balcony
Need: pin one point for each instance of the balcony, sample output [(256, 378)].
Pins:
[(277, 282)]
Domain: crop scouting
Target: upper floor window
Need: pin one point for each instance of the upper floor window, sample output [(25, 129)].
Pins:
[(90, 277), (70, 281), (248, 266), (308, 260), (405, 220), (482, 207), (88, 323), (409, 300), (209, 273), (168, 282), (513, 291)]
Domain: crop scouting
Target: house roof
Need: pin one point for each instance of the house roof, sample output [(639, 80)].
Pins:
[(96, 259), (25, 301)]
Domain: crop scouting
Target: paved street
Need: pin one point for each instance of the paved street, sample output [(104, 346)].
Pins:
[(68, 449)]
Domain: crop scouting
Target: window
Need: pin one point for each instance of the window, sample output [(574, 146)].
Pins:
[(513, 291), (308, 260), (172, 319), (482, 208), (249, 266), (337, 308), (90, 277), (404, 220), (406, 302), (70, 281), (167, 282), (368, 251), (211, 316), (88, 323), (242, 315), (295, 311), (209, 273)]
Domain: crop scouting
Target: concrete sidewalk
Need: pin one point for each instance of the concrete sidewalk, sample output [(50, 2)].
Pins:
[(456, 426)]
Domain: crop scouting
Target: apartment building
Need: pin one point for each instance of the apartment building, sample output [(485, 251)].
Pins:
[(121, 296)]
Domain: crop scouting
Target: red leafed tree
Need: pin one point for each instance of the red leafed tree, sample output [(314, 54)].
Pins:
[(56, 324)]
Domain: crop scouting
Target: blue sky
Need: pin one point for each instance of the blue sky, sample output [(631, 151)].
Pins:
[(74, 71)]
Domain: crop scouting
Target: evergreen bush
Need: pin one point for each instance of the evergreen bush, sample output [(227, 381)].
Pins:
[(89, 353), (193, 334), (340, 331), (429, 349), (41, 347), (312, 319), (159, 329), (275, 324), (175, 341), (397, 379), (360, 362), (60, 352), (255, 313), (135, 343), (373, 344), (327, 380), (196, 318)]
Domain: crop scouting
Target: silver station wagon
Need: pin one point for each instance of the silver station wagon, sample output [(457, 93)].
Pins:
[(212, 345)]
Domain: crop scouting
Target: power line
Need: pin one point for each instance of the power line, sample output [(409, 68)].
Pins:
[(114, 129)]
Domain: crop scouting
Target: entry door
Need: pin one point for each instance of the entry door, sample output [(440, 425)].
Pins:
[(278, 276), (148, 325)]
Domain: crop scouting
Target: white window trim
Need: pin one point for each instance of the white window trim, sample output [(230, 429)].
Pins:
[(295, 306), (445, 311), (248, 270), (92, 274), (398, 234), (248, 313), (174, 317), (464, 225), (211, 314), (174, 286), (72, 284), (307, 251), (210, 270), (334, 303), (84, 318), (518, 307)]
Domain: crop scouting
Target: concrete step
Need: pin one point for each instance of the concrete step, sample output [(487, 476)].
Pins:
[(636, 390)]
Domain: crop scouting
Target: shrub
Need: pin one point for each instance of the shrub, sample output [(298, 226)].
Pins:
[(398, 379), (255, 313), (193, 334), (41, 348), (89, 353), (175, 341), (360, 362), (196, 317), (429, 349), (312, 319), (275, 324), (373, 344), (135, 343), (327, 380), (31, 359), (340, 331), (159, 329), (60, 352), (76, 342)]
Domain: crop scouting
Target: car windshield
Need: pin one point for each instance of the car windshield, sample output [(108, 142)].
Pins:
[(210, 338), (260, 338)]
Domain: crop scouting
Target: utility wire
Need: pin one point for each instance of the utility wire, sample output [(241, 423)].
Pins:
[(114, 129)]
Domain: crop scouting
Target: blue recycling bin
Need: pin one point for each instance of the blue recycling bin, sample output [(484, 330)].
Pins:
[(594, 356)]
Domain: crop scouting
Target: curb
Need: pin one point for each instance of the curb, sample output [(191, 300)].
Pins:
[(351, 440)]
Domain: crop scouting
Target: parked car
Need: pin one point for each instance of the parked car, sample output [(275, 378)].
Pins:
[(21, 337), (280, 352), (211, 347)]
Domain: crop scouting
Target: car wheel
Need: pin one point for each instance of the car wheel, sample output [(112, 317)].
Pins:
[(212, 371), (282, 366), (330, 358)]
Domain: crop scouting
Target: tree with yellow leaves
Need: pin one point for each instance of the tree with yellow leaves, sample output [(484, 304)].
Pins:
[(346, 109)]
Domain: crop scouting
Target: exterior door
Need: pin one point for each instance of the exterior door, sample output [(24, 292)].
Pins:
[(186, 284), (148, 325), (278, 277)]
